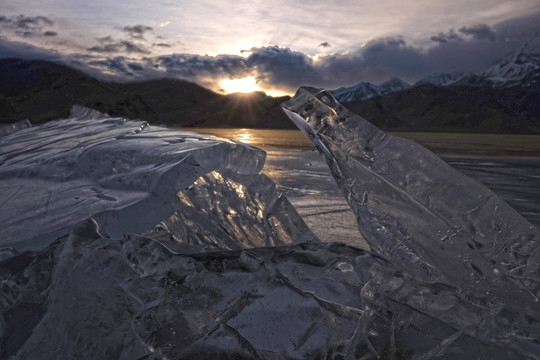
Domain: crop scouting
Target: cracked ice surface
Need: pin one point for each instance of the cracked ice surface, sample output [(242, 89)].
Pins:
[(216, 275), (230, 211), (90, 296), (124, 174)]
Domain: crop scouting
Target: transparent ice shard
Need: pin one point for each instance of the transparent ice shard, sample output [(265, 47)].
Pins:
[(226, 210), (125, 174), (414, 209)]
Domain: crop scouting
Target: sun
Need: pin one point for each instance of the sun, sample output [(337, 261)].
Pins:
[(244, 85)]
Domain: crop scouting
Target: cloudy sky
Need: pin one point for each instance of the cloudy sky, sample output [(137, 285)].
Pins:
[(278, 45)]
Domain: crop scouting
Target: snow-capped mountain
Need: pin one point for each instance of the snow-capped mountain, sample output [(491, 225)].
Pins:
[(442, 79), (455, 78), (472, 79), (514, 68), (392, 85), (366, 90)]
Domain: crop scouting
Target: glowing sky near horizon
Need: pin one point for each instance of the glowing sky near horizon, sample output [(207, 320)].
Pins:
[(282, 44), (245, 85)]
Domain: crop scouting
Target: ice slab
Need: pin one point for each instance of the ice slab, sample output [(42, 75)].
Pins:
[(434, 224), (229, 211), (416, 210), (125, 174), (132, 298)]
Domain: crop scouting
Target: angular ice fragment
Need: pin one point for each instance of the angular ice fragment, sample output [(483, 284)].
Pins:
[(226, 210), (125, 174), (414, 209), (11, 128), (83, 112), (91, 297)]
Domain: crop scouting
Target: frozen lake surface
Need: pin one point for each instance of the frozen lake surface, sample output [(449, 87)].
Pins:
[(508, 164)]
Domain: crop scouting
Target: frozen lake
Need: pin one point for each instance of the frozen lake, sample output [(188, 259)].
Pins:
[(164, 236), (508, 164)]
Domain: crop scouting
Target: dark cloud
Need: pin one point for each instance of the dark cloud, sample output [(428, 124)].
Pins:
[(325, 44), (520, 29), (30, 22), (137, 31), (162, 45), (26, 26), (272, 66), (118, 65), (282, 67), (480, 32), (446, 37), (50, 33), (105, 40), (377, 61), (12, 49), (196, 66), (108, 46), (135, 66), (122, 69)]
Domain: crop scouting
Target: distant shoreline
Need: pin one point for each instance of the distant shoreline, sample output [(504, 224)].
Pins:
[(438, 142), (442, 143)]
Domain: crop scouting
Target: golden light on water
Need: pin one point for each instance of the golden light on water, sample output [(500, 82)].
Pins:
[(244, 135), (245, 85)]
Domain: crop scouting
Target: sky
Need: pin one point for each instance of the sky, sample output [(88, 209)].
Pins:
[(274, 46)]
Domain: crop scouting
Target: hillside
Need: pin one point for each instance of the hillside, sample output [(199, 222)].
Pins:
[(42, 91), (455, 108)]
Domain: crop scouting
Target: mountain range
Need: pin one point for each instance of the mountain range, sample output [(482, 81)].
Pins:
[(519, 68), (504, 98), (42, 91), (366, 90)]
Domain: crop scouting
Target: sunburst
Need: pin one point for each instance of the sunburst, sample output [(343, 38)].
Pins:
[(244, 85)]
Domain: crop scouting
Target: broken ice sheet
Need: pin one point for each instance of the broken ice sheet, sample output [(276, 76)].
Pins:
[(91, 295), (230, 211), (125, 174), (415, 209), (430, 220), (132, 298)]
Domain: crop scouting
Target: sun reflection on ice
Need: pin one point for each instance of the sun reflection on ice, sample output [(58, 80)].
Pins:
[(244, 136)]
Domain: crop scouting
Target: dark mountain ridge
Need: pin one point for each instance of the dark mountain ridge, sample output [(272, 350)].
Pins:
[(42, 91), (458, 108)]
